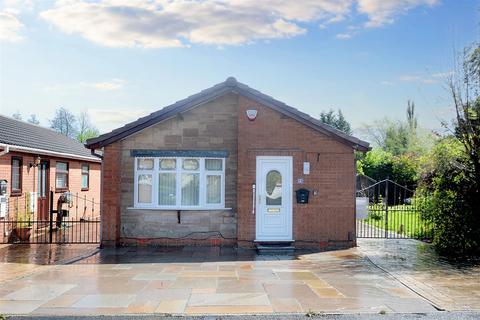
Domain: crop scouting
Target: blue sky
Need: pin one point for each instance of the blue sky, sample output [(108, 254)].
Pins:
[(119, 60)]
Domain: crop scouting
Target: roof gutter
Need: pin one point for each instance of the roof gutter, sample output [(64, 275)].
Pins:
[(92, 151), (6, 149), (9, 148)]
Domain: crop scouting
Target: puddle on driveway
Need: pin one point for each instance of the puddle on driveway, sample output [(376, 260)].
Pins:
[(43, 254)]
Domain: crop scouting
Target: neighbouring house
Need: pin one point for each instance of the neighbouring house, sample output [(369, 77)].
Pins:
[(34, 161), (228, 166)]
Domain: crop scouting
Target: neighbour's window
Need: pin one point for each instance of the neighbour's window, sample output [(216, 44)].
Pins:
[(85, 176), (16, 175), (61, 176), (189, 183)]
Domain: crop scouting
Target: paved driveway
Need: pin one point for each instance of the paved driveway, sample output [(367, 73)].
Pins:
[(447, 285), (226, 281)]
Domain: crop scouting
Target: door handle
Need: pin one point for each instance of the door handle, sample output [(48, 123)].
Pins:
[(253, 197), (259, 199)]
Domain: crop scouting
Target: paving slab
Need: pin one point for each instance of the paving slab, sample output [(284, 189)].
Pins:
[(374, 278), (449, 285), (263, 316)]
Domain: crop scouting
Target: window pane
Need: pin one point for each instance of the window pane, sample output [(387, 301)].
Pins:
[(61, 180), (84, 181), (168, 164), (167, 186), (190, 164), (145, 164), (214, 184), (15, 164), (44, 184), (145, 188), (85, 169), (190, 189), (213, 164), (274, 188), (16, 174), (61, 166)]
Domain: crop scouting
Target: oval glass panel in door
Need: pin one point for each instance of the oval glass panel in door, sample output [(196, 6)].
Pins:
[(274, 188)]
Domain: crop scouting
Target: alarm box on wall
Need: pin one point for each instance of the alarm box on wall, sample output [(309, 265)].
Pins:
[(302, 195)]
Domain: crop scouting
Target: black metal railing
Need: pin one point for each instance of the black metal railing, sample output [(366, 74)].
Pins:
[(392, 211), (55, 218)]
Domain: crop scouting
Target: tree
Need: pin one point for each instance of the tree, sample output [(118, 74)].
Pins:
[(64, 122), (465, 91), (447, 196), (379, 165), (337, 120), (451, 176), (17, 115), (33, 119), (411, 117), (390, 136), (86, 130), (398, 137)]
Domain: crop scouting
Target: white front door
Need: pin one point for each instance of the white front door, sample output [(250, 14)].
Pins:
[(274, 199)]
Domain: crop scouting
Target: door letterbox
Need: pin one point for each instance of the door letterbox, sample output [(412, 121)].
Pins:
[(302, 195)]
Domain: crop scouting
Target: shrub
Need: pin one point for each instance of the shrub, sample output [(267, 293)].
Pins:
[(379, 165), (447, 183)]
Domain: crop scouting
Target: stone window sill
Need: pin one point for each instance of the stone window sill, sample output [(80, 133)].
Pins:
[(180, 209)]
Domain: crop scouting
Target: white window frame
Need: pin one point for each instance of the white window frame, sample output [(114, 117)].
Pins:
[(140, 172), (203, 205)]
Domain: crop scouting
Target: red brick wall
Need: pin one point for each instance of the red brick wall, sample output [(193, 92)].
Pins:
[(111, 192), (327, 221), (30, 176), (328, 218)]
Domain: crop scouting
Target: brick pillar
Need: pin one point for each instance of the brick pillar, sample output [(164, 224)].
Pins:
[(111, 187)]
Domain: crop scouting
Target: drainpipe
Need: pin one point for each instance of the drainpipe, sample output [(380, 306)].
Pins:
[(6, 149)]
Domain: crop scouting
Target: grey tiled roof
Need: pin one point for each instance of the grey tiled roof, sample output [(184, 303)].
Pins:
[(229, 85), (19, 133)]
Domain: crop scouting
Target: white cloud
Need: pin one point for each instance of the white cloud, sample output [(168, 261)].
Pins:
[(17, 6), (387, 83), (114, 84), (343, 36), (161, 23), (178, 23), (10, 27), (381, 12), (107, 119), (419, 79), (443, 75)]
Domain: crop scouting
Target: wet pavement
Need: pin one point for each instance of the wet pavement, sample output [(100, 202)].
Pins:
[(446, 284), (379, 276), (23, 259)]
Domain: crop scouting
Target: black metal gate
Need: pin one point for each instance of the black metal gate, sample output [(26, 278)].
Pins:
[(72, 219), (387, 209)]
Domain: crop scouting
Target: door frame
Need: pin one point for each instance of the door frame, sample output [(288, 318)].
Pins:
[(47, 200), (287, 182)]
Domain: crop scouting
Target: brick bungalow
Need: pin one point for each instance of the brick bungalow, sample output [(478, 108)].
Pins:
[(223, 167), (35, 160)]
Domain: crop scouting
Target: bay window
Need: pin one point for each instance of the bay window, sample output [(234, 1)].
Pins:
[(179, 183)]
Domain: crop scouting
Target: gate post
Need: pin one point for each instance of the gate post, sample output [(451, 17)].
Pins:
[(386, 208), (50, 229)]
